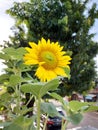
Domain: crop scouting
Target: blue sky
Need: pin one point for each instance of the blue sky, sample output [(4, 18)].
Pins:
[(6, 21)]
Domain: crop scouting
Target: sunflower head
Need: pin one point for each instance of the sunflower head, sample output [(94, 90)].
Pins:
[(50, 58)]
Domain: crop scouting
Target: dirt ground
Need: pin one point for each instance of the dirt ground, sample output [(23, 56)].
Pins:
[(90, 119)]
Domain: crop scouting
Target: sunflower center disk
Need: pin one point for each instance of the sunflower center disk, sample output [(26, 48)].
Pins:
[(50, 60)]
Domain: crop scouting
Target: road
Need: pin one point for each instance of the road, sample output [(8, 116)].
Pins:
[(90, 119)]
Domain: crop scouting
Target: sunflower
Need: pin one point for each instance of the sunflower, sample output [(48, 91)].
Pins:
[(50, 58)]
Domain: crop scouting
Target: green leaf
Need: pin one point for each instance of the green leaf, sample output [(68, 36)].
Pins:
[(49, 108), (25, 110), (67, 71), (20, 123), (3, 90), (4, 77), (33, 88), (75, 118), (23, 121), (49, 86), (15, 53), (76, 105), (91, 108), (60, 99), (4, 56), (40, 89), (21, 51), (23, 67), (56, 96), (5, 97), (15, 79), (5, 124), (82, 106), (9, 50), (12, 127), (63, 21)]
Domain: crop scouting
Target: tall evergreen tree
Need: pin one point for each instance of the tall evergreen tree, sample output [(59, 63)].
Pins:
[(68, 22)]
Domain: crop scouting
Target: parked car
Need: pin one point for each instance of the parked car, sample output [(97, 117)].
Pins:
[(90, 98), (54, 123)]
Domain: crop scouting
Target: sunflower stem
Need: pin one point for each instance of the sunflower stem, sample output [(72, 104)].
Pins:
[(64, 125), (38, 113)]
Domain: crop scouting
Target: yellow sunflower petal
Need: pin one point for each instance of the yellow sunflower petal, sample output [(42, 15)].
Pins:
[(46, 75), (41, 73), (60, 71), (33, 45)]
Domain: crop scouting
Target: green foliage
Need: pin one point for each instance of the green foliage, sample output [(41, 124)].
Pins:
[(83, 107), (75, 118), (40, 89), (17, 82), (11, 81), (49, 109), (21, 123)]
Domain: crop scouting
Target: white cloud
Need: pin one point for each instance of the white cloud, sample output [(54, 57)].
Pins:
[(6, 22), (5, 31)]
